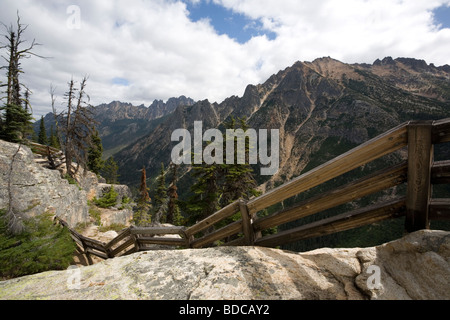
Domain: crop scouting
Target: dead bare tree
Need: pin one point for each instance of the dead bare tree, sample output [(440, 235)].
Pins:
[(77, 126)]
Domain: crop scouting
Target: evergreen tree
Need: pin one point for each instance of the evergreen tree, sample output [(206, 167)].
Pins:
[(141, 216), (206, 193), (161, 200), (217, 185), (42, 137), (15, 123), (239, 182), (109, 171), (53, 140), (27, 130), (16, 119), (95, 152), (173, 210)]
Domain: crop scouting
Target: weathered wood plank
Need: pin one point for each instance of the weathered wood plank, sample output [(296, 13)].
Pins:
[(77, 240), (420, 158), (375, 182), (130, 251), (93, 244), (440, 172), (384, 144), (161, 241), (224, 213), (122, 247), (222, 233), (441, 131), (247, 228), (157, 230), (236, 242), (336, 224), (125, 233), (99, 254), (439, 209)]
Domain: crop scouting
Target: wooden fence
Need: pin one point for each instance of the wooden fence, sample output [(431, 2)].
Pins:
[(54, 158), (419, 172)]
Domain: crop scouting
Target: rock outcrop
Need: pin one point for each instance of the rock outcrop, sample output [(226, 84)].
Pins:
[(414, 267), (36, 190)]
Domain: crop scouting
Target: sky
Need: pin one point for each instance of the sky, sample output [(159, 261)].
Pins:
[(137, 51)]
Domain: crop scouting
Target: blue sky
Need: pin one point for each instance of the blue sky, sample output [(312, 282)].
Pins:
[(141, 50), (442, 16), (225, 21)]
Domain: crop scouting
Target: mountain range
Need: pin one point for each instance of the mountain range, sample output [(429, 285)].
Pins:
[(321, 108)]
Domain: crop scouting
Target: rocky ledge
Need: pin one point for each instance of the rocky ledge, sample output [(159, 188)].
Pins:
[(36, 190), (414, 267)]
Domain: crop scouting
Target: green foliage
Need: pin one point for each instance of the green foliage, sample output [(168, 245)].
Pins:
[(126, 200), (15, 124), (142, 216), (95, 214), (95, 153), (108, 200), (43, 246), (42, 136), (54, 140), (173, 209), (206, 193), (109, 171), (218, 185), (70, 179), (160, 198)]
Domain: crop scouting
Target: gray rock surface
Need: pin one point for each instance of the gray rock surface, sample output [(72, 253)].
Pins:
[(119, 214), (37, 190), (122, 191), (414, 267)]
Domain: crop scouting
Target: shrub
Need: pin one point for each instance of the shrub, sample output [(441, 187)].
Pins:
[(43, 246), (96, 215), (108, 200)]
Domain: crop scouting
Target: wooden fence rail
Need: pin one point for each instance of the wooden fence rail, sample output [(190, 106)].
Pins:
[(419, 172), (55, 157)]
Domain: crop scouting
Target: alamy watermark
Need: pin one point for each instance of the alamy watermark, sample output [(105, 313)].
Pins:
[(374, 281), (238, 145), (73, 22), (73, 278)]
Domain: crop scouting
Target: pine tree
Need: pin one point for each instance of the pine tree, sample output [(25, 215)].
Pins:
[(42, 137), (15, 123), (141, 216), (239, 181), (109, 171), (217, 185), (16, 119), (161, 200), (53, 140), (173, 210), (95, 152), (206, 193)]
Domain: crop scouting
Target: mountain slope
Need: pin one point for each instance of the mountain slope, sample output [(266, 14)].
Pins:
[(120, 124), (324, 105)]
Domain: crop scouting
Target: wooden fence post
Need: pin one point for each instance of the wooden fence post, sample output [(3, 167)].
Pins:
[(246, 224), (420, 158)]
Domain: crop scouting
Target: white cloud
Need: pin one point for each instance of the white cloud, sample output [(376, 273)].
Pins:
[(160, 53)]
